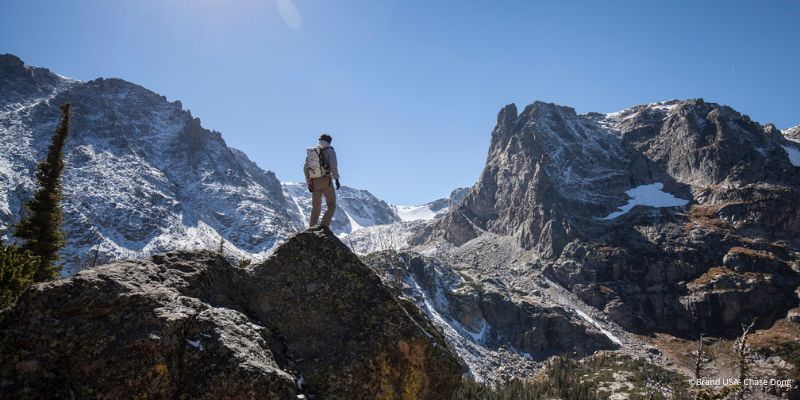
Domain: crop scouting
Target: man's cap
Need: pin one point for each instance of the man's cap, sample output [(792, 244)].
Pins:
[(326, 137)]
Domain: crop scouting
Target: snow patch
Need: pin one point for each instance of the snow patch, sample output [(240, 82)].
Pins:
[(477, 337), (195, 343), (794, 155), (648, 195), (628, 113), (598, 326), (354, 225)]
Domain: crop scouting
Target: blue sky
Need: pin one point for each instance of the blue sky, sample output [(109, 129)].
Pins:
[(410, 89)]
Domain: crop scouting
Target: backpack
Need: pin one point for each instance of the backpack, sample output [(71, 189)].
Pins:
[(316, 163)]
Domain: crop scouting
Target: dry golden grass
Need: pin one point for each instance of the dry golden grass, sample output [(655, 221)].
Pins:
[(606, 249), (605, 289), (751, 252), (712, 274), (705, 217), (780, 333)]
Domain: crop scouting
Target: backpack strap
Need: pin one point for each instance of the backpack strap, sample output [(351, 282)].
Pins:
[(323, 160)]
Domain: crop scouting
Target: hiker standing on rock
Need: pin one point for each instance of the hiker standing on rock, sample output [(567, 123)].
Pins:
[(321, 172)]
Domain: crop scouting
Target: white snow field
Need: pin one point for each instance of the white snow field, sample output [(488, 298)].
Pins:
[(415, 213), (648, 195)]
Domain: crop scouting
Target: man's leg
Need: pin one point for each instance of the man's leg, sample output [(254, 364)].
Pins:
[(316, 203), (330, 203)]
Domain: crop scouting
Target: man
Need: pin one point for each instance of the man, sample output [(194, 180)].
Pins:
[(321, 172)]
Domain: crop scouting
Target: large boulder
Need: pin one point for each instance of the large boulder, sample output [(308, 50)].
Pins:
[(190, 325)]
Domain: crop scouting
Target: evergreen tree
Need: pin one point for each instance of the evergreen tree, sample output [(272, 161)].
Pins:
[(40, 227), (16, 272)]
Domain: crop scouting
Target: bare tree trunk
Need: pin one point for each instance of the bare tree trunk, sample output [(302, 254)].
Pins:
[(698, 361), (94, 259), (742, 352)]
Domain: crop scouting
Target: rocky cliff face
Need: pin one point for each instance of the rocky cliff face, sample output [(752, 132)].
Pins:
[(143, 175), (483, 320), (696, 186), (310, 319), (547, 168)]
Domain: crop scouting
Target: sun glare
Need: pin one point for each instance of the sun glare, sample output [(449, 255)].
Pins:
[(289, 13)]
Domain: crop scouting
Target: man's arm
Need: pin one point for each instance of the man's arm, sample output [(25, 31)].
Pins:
[(332, 165), (305, 172)]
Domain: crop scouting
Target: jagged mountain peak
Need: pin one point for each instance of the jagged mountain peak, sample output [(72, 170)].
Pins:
[(663, 105), (507, 115), (24, 85), (546, 164), (13, 66)]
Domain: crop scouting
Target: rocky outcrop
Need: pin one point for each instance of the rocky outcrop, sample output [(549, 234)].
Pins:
[(750, 285), (702, 144), (456, 196), (189, 325)]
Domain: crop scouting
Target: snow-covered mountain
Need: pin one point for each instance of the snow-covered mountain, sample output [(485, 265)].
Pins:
[(143, 175)]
